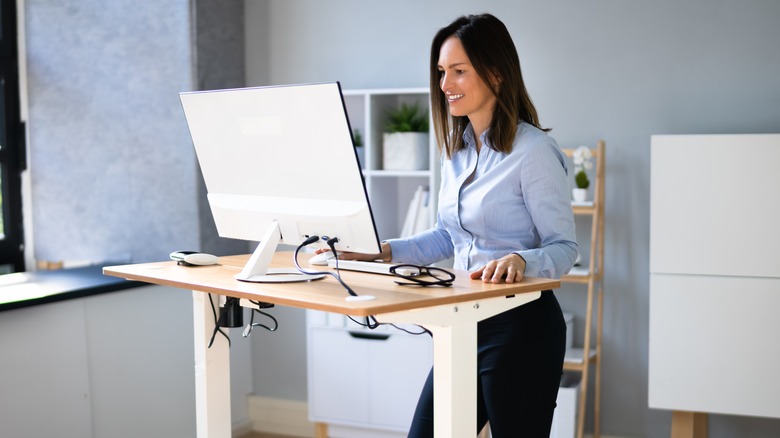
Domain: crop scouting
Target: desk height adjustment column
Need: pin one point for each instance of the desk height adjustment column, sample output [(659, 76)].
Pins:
[(212, 372)]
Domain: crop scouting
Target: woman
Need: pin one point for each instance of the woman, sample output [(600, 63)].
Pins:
[(504, 212)]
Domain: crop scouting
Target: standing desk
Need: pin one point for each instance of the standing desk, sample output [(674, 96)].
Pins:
[(451, 314)]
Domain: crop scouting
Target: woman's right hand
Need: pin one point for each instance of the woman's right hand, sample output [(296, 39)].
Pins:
[(386, 255)]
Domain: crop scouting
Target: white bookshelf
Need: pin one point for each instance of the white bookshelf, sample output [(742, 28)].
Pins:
[(390, 191)]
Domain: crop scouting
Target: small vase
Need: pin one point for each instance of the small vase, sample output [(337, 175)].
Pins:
[(405, 151), (579, 195)]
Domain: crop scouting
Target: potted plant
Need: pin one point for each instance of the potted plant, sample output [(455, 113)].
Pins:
[(582, 164), (405, 140), (357, 140)]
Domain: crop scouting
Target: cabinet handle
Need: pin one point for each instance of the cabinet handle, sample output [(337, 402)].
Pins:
[(369, 336)]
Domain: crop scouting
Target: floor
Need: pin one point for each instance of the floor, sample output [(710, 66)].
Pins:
[(264, 435)]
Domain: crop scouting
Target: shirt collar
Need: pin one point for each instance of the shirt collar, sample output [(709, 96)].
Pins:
[(470, 140)]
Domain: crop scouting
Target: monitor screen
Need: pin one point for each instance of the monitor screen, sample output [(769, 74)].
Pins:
[(279, 166)]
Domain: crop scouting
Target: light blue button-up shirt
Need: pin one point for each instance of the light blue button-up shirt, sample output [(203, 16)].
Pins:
[(514, 203)]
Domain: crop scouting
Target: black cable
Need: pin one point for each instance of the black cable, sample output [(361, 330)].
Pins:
[(311, 240), (424, 330), (375, 324), (370, 321), (217, 322), (248, 329)]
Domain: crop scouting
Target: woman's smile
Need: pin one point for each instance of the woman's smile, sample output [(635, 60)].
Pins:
[(453, 97)]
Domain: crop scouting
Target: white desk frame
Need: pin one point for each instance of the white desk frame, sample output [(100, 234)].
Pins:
[(451, 314), (454, 328)]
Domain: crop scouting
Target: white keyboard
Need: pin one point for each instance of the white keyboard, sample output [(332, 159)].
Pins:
[(371, 267)]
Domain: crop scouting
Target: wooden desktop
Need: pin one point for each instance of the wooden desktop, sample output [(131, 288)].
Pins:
[(451, 314)]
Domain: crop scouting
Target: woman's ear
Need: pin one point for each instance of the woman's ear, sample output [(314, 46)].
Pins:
[(495, 79)]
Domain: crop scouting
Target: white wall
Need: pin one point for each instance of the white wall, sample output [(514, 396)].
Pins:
[(610, 69)]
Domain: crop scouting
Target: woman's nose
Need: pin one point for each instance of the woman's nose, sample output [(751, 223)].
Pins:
[(443, 82)]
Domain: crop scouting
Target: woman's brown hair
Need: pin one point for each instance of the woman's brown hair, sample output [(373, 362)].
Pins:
[(493, 54)]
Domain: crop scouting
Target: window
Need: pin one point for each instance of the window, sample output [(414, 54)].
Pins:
[(11, 145)]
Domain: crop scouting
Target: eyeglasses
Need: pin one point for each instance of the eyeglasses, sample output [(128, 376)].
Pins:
[(412, 274)]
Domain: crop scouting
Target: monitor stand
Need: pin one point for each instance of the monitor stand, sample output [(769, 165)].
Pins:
[(256, 269)]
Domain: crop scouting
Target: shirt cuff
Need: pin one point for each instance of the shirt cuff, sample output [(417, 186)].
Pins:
[(401, 250), (531, 263)]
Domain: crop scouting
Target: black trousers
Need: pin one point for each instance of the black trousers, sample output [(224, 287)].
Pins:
[(520, 362)]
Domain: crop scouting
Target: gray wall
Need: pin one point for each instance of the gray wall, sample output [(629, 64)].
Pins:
[(109, 152), (112, 169), (219, 44), (609, 69)]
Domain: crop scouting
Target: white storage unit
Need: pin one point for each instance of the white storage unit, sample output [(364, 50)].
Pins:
[(364, 383), (714, 274), (565, 417), (569, 318)]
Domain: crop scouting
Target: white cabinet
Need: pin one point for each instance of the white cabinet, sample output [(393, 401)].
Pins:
[(361, 379), (714, 274), (91, 367), (390, 191)]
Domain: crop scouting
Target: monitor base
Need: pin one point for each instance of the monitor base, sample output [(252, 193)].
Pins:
[(279, 275)]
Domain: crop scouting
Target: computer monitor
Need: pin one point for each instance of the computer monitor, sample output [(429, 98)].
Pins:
[(280, 166)]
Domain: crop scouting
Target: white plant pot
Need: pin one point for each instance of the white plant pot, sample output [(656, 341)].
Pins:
[(405, 151), (579, 195)]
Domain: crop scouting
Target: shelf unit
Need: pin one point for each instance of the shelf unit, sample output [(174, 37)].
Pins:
[(593, 277), (365, 383), (390, 191)]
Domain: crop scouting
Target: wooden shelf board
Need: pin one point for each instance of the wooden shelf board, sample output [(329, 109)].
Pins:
[(575, 279), (582, 209), (578, 274), (582, 204), (573, 359)]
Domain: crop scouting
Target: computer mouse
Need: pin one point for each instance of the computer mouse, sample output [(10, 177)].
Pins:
[(193, 258), (322, 258)]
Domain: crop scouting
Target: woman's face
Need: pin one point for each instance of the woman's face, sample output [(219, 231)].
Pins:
[(467, 94)]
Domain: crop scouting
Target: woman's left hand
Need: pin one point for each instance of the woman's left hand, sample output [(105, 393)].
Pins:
[(510, 267)]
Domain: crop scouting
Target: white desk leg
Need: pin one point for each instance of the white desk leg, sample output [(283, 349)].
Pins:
[(212, 372), (454, 364), (454, 329)]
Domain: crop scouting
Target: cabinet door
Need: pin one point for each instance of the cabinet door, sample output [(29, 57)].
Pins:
[(710, 192), (366, 378), (398, 368), (338, 376)]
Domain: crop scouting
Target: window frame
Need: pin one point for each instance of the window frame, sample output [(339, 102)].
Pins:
[(13, 145)]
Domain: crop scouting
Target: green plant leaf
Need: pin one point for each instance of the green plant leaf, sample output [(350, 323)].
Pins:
[(581, 179), (357, 138), (407, 118)]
